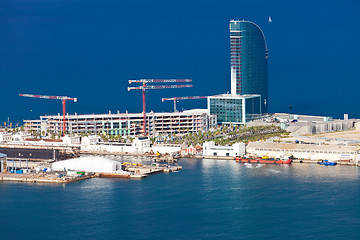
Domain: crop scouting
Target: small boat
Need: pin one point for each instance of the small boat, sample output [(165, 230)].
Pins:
[(263, 160), (327, 163)]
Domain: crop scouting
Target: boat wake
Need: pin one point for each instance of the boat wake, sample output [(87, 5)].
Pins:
[(273, 171), (250, 165)]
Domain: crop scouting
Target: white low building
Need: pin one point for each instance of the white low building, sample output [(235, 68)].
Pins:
[(5, 136), (20, 136), (88, 164), (210, 149), (304, 151), (90, 140), (71, 140), (139, 145)]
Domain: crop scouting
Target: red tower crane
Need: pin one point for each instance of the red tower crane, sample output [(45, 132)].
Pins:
[(145, 87), (62, 98), (175, 99)]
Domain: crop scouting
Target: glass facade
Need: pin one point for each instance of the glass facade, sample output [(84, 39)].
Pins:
[(226, 110), (249, 73), (116, 128), (234, 109), (252, 108)]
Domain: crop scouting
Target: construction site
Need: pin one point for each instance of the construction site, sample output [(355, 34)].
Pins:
[(127, 124)]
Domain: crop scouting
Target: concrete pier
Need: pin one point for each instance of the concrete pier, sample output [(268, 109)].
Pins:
[(308, 161), (42, 178), (134, 171), (153, 169)]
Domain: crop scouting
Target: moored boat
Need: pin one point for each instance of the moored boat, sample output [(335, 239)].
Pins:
[(327, 163)]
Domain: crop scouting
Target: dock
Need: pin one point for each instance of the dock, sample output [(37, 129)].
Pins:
[(165, 159), (316, 162), (42, 177), (121, 175), (295, 161), (132, 171), (153, 169)]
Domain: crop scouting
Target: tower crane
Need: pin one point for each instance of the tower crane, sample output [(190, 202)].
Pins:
[(145, 87), (63, 100), (175, 99)]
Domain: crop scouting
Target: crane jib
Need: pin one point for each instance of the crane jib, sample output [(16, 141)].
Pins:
[(145, 87), (158, 80), (168, 86), (183, 98), (48, 97)]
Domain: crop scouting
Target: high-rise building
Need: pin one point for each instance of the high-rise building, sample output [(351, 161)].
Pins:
[(249, 77), (249, 71)]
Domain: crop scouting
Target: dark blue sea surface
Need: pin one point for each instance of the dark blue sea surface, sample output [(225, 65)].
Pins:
[(208, 199)]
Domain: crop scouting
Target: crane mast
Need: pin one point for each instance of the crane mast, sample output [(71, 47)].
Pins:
[(145, 87), (63, 100)]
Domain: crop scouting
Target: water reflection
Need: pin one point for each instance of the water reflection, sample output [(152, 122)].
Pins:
[(212, 199), (330, 173), (297, 171)]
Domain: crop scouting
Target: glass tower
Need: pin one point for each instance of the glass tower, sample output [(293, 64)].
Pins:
[(249, 72)]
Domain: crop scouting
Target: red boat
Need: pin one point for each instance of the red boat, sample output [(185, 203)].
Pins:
[(263, 160)]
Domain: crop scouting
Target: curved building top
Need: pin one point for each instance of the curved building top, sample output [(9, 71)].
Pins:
[(249, 73), (236, 27)]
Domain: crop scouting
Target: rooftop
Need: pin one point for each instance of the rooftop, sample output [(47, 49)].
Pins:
[(235, 96), (294, 146), (124, 115)]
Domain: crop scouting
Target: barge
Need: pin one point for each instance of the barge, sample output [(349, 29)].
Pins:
[(263, 160)]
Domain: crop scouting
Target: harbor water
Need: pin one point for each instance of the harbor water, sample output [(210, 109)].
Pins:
[(208, 199)]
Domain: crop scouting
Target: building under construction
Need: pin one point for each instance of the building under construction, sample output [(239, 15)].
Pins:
[(125, 124)]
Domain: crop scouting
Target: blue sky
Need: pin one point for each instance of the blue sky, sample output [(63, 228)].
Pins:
[(89, 49)]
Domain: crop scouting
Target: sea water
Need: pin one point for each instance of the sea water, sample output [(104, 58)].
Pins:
[(208, 199)]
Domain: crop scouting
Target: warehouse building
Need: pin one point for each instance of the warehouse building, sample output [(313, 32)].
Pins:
[(236, 150), (305, 151)]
